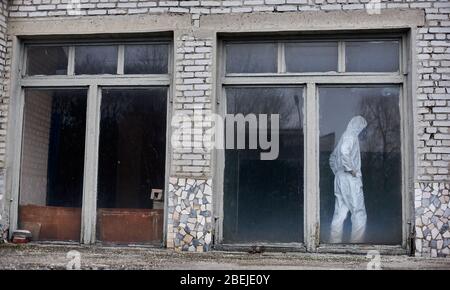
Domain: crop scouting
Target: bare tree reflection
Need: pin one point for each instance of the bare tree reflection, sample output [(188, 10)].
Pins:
[(284, 102), (381, 146), (146, 59), (96, 59), (381, 166)]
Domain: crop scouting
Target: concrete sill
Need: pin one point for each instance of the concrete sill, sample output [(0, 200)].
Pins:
[(267, 247), (362, 249)]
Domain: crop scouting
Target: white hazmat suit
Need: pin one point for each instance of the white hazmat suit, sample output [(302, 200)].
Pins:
[(345, 161)]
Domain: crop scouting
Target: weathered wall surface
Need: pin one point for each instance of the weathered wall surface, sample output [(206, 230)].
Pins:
[(194, 90), (3, 114)]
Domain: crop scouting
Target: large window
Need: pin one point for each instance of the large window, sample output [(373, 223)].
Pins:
[(93, 151), (264, 198), (338, 176), (375, 205), (52, 163)]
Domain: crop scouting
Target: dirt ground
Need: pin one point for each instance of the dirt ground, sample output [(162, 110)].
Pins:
[(37, 256)]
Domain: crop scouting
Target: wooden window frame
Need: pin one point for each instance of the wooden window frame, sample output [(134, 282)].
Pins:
[(94, 85), (311, 82)]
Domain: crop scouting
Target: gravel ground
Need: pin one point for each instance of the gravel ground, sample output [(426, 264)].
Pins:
[(34, 256)]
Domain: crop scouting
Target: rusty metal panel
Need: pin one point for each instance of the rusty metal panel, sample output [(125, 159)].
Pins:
[(50, 222), (124, 226)]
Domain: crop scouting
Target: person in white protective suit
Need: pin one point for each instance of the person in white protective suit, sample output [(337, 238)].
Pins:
[(345, 161)]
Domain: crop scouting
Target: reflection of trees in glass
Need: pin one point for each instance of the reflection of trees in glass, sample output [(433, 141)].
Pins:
[(65, 106), (150, 59), (383, 133), (381, 167), (382, 115), (116, 111), (96, 59), (285, 102)]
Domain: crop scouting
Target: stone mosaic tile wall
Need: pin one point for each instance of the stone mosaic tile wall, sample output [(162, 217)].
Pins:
[(432, 209), (190, 214)]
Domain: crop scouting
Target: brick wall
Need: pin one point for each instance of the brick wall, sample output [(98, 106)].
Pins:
[(193, 99), (433, 49), (3, 113), (194, 88)]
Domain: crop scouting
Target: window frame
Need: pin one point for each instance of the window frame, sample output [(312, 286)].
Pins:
[(94, 85), (341, 41), (71, 45), (311, 83), (218, 198)]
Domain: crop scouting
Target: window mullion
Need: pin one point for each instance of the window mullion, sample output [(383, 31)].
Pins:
[(121, 60), (281, 58), (89, 210), (341, 56), (71, 61), (311, 172)]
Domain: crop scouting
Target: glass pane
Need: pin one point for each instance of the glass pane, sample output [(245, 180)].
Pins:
[(132, 165), (372, 56), (263, 199), (96, 59), (360, 165), (146, 59), (51, 183), (251, 57), (47, 60), (311, 56)]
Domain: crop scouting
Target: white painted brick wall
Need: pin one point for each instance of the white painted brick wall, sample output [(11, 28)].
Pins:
[(192, 97), (433, 47), (3, 115), (194, 62)]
